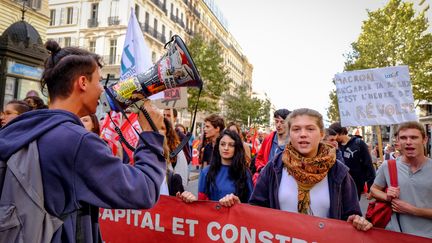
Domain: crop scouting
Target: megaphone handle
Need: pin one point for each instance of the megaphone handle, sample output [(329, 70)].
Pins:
[(147, 116)]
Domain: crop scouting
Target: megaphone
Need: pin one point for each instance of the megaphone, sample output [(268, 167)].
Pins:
[(175, 69)]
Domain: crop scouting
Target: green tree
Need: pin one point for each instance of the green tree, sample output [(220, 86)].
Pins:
[(393, 35), (208, 58), (241, 107), (333, 110)]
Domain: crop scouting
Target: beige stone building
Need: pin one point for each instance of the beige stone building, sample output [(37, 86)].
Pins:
[(37, 14), (100, 26)]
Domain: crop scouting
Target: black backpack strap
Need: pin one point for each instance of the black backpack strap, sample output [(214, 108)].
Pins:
[(79, 232), (170, 175)]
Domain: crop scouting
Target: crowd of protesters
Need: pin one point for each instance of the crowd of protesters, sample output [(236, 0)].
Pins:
[(300, 167)]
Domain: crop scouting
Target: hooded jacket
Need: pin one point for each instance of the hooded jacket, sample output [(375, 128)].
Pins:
[(342, 190), (79, 172)]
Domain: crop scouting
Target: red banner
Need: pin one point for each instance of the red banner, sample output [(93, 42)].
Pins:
[(172, 220)]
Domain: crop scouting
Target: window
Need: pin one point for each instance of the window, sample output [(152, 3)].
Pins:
[(35, 4), (137, 9), (113, 52), (67, 41), (155, 25), (147, 19), (69, 17), (92, 46), (94, 11), (114, 8), (52, 17), (172, 9)]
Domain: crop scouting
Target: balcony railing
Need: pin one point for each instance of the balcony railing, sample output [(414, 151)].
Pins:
[(113, 20), (190, 32), (177, 20), (154, 33), (173, 18), (160, 5), (195, 11), (181, 23), (144, 27), (91, 23), (192, 8)]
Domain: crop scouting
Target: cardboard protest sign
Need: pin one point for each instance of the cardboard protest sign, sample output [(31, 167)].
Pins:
[(380, 96), (173, 98)]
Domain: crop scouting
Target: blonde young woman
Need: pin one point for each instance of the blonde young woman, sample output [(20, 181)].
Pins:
[(306, 178)]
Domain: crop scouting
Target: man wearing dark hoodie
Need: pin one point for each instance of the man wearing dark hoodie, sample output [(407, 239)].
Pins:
[(79, 174)]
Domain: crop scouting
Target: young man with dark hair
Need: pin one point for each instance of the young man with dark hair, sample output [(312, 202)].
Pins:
[(79, 172), (213, 126), (412, 199), (273, 143), (356, 156)]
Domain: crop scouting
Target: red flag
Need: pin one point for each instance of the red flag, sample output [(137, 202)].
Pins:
[(130, 135), (195, 152), (108, 132), (254, 142)]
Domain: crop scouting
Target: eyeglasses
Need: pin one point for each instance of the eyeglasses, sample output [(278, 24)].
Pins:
[(8, 113)]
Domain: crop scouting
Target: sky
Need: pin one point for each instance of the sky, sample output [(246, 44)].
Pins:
[(296, 46)]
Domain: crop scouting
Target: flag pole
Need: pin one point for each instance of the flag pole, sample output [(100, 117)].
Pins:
[(380, 145)]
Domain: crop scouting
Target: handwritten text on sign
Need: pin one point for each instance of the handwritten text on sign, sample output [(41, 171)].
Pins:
[(380, 96), (172, 220)]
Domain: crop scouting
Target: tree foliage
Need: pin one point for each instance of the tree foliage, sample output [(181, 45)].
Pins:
[(393, 35), (208, 58), (241, 107)]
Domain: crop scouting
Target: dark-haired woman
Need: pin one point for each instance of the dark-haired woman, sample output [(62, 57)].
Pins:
[(91, 123), (227, 173)]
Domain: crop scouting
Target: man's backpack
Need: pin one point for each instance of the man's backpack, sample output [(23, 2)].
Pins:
[(23, 217)]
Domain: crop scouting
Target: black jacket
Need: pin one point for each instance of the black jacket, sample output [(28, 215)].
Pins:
[(358, 159)]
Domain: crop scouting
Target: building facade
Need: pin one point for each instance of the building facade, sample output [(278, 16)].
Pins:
[(100, 26)]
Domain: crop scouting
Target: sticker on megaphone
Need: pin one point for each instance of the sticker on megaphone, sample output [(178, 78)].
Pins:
[(175, 69)]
